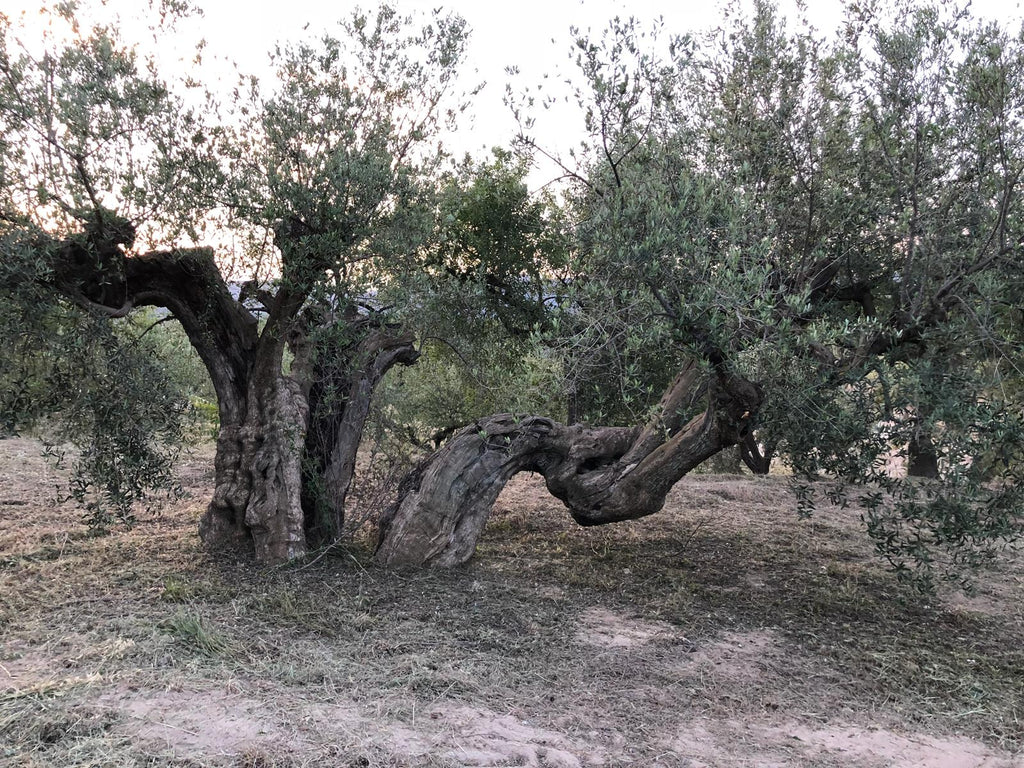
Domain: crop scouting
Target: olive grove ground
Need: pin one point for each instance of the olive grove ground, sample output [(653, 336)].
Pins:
[(723, 632)]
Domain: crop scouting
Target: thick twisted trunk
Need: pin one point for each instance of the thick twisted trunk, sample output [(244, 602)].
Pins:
[(602, 474), (264, 413), (256, 503), (258, 482)]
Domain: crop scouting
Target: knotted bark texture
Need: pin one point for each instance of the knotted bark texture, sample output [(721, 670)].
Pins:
[(602, 474), (265, 462)]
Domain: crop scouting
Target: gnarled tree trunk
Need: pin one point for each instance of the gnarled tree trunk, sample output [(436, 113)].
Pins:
[(602, 474), (258, 481), (264, 411)]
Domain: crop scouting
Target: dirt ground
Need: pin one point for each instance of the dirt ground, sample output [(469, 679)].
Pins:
[(722, 632)]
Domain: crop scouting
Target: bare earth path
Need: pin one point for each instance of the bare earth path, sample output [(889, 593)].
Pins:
[(724, 632)]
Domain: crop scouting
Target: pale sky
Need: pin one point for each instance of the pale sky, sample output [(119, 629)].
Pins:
[(532, 35)]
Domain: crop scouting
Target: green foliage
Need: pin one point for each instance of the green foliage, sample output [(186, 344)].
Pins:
[(119, 395), (195, 632), (617, 353), (836, 221), (88, 126), (93, 147), (485, 294), (336, 158), (501, 251), (447, 388), (110, 395), (161, 336)]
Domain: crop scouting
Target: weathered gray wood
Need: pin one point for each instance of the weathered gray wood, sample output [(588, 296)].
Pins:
[(601, 474)]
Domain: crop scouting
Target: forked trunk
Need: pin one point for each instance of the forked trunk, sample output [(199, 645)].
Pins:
[(602, 474), (283, 476), (344, 380), (264, 413)]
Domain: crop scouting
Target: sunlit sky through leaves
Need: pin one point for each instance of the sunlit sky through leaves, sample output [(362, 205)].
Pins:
[(530, 35)]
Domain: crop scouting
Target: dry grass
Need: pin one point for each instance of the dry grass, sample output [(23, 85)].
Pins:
[(722, 632)]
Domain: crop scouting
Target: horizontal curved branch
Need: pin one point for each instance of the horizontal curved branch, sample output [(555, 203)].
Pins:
[(223, 332), (89, 305), (92, 271), (602, 474)]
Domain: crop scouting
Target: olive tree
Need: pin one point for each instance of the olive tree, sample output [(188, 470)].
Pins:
[(824, 236), (326, 176)]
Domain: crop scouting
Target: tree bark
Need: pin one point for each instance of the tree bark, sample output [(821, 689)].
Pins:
[(344, 379), (758, 458), (258, 479), (601, 474), (922, 456), (264, 412), (256, 502), (922, 459)]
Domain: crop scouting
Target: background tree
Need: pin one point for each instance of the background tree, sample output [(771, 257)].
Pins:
[(603, 474), (485, 295)]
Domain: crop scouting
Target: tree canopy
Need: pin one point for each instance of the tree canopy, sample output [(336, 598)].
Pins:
[(854, 204), (822, 235)]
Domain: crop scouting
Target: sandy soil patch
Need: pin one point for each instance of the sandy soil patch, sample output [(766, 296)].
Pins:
[(706, 744), (603, 628)]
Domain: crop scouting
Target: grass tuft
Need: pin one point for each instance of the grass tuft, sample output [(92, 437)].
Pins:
[(195, 632)]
